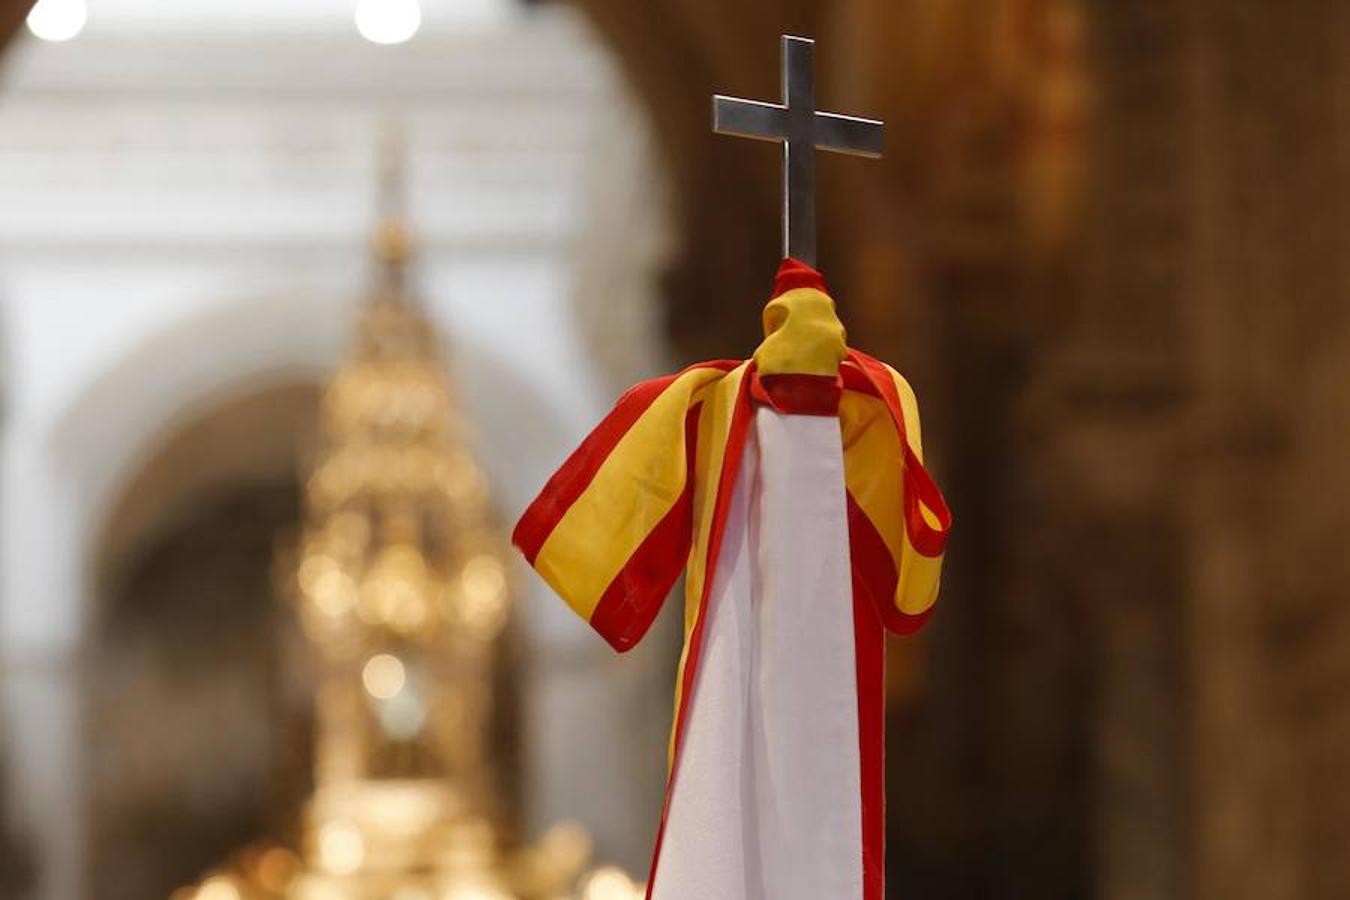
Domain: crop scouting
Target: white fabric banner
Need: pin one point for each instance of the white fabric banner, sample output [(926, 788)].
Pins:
[(766, 803)]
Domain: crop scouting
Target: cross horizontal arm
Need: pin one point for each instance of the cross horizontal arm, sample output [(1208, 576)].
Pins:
[(768, 122), (849, 134), (749, 118)]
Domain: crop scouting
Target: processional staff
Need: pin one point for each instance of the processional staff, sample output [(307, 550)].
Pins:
[(734, 473), (802, 130)]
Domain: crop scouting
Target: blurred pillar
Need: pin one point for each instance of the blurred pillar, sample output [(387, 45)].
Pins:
[(1093, 584), (1267, 150), (44, 742)]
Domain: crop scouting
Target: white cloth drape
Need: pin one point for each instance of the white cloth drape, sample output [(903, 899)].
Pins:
[(766, 801)]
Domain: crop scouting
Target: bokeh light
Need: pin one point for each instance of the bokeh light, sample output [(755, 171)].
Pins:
[(384, 676), (609, 883), (342, 849), (388, 21), (218, 888), (58, 20)]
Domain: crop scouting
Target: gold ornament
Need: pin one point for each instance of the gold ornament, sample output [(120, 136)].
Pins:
[(400, 583)]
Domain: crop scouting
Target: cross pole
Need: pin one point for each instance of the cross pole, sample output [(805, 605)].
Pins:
[(802, 130)]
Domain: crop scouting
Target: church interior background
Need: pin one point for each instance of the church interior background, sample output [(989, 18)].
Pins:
[(283, 277)]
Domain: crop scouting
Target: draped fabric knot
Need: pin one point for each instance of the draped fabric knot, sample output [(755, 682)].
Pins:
[(614, 527), (796, 367)]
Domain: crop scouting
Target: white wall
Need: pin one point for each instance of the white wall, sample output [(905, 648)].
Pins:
[(184, 205)]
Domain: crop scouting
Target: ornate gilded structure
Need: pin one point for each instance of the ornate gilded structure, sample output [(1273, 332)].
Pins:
[(400, 584)]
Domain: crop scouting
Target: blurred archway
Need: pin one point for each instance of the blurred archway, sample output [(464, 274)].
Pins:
[(200, 725)]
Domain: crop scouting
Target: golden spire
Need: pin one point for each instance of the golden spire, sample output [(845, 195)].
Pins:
[(400, 582), (393, 327), (392, 242)]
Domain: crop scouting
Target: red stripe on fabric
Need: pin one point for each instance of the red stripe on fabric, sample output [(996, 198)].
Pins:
[(731, 466), (883, 385), (793, 274), (919, 486), (576, 474), (854, 378), (870, 651), (801, 395), (875, 575), (630, 604)]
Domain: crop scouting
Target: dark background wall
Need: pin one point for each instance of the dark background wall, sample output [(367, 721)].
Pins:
[(1108, 245)]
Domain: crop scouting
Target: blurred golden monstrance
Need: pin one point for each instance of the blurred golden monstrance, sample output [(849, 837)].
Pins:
[(400, 584)]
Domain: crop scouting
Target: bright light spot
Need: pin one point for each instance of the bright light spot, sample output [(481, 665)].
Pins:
[(567, 845), (402, 717), (275, 869), (384, 676), (388, 21), (483, 598), (341, 848), (58, 20), (324, 582), (475, 892), (609, 883), (484, 577), (218, 888)]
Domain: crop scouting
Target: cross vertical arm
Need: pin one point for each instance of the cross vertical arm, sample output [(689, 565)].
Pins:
[(802, 130), (799, 149)]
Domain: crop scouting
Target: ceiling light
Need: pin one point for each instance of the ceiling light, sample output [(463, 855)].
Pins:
[(57, 20), (388, 21)]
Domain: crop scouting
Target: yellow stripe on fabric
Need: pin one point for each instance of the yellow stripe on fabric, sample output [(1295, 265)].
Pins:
[(803, 335), (874, 466), (637, 484), (874, 474), (714, 425), (920, 576), (909, 408)]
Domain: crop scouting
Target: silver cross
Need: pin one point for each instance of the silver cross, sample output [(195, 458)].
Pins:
[(802, 130)]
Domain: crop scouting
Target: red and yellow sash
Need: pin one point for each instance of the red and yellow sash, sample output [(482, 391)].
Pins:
[(644, 495)]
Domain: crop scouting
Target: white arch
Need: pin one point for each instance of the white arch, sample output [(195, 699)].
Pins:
[(97, 443), (529, 189), (63, 480)]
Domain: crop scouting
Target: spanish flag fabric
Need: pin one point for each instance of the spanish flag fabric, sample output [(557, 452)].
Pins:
[(790, 489)]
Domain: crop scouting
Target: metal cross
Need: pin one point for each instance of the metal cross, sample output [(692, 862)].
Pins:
[(802, 130)]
